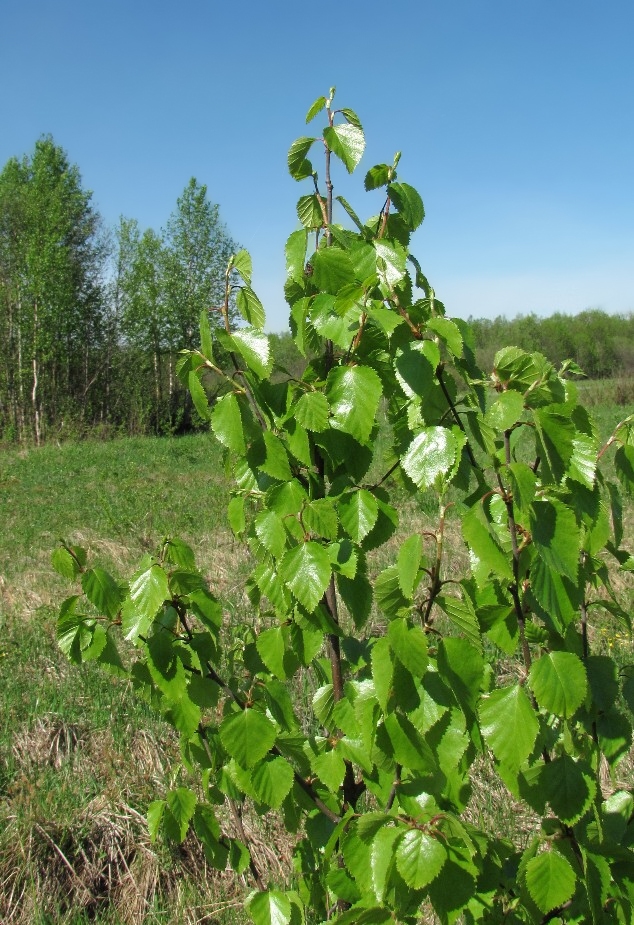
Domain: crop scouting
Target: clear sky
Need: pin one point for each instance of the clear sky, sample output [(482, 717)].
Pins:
[(515, 119)]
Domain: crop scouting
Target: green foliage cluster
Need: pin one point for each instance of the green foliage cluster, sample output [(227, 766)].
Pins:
[(601, 344), (88, 320), (376, 781)]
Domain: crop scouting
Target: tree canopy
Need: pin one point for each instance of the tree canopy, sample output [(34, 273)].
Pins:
[(89, 318)]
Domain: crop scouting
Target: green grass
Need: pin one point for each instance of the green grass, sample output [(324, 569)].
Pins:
[(80, 756)]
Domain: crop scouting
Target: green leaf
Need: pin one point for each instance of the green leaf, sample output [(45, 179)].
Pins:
[(408, 564), (382, 670), (505, 411), (148, 590), (270, 531), (270, 456), (351, 117), (255, 350), (358, 513), (208, 831), (248, 736), (353, 215), (408, 202), (615, 735), (269, 908), (624, 466), (557, 595), (462, 614), (271, 645), (415, 367), (409, 644), (155, 813), (388, 594), (550, 880), (383, 858), (243, 264), (239, 856), (74, 632), (449, 332), (486, 554), (226, 423), (377, 176), (309, 212), (306, 570), (295, 251), (509, 725), (583, 464), (347, 141), (354, 393), (569, 786), (272, 780), (320, 517), (409, 747), (555, 443), (312, 411), (298, 166), (181, 803), (199, 396), (184, 715), (330, 769), (68, 561), (180, 553), (332, 269), (420, 858), (315, 109), (431, 454), (250, 307), (556, 536), (102, 591), (523, 483), (558, 680), (391, 261)]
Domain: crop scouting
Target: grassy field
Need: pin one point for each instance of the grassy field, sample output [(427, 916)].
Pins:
[(80, 758)]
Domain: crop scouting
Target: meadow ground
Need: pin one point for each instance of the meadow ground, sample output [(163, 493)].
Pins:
[(80, 757)]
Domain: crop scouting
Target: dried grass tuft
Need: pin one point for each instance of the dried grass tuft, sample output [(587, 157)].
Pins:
[(49, 741)]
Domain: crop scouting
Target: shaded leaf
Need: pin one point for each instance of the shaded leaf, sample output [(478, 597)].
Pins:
[(102, 591), (558, 680)]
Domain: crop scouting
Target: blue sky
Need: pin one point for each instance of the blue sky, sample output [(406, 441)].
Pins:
[(515, 121)]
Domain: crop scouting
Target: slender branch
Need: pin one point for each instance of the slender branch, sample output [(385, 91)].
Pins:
[(237, 818), (397, 783), (436, 583), (515, 585), (456, 416)]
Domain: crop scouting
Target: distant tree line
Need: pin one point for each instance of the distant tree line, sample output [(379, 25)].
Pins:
[(601, 344), (92, 321)]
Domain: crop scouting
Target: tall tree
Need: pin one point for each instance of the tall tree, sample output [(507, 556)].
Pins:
[(164, 281), (51, 294), (198, 246)]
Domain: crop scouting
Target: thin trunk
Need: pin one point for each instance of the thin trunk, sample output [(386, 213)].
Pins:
[(21, 408), (36, 413)]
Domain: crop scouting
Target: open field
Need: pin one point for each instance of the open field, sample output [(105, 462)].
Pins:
[(80, 758)]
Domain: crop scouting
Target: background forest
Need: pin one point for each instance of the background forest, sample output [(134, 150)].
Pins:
[(92, 319)]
